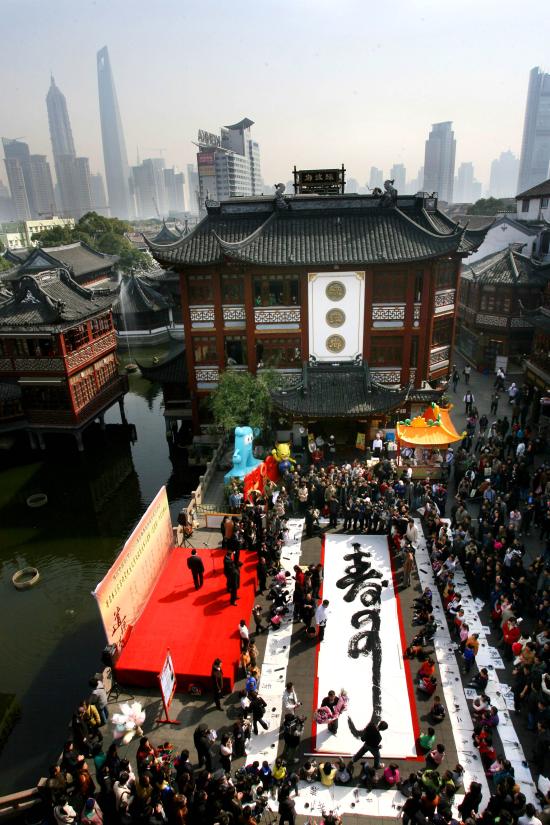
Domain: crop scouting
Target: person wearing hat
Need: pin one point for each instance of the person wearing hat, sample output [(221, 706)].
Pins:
[(196, 566), (92, 813)]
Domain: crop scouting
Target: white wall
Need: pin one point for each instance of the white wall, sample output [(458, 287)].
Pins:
[(499, 237), (535, 212)]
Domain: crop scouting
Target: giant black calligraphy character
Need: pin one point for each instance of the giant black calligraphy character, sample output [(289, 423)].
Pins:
[(365, 581)]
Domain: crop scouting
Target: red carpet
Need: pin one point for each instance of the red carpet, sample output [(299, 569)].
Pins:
[(196, 625)]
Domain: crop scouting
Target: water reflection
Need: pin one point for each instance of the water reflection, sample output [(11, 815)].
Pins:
[(50, 636)]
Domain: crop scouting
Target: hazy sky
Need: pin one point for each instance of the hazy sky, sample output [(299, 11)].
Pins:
[(326, 81)]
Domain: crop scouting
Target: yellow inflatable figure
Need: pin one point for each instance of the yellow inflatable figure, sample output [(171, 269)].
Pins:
[(282, 456)]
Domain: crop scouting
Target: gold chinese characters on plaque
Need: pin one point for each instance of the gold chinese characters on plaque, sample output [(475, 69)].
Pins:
[(335, 291), (335, 343), (335, 317)]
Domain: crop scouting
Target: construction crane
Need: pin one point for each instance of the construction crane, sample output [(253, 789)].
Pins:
[(155, 149)]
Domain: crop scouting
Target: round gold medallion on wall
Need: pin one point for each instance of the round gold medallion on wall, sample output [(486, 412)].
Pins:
[(335, 317), (335, 343), (335, 291)]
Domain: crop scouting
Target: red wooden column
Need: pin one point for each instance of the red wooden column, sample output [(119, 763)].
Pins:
[(218, 318), (458, 267), (367, 319), (425, 323), (250, 323), (189, 356), (407, 328), (304, 316)]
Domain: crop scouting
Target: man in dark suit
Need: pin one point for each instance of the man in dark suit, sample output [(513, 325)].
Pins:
[(196, 566)]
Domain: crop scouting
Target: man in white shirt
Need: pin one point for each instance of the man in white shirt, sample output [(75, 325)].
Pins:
[(377, 445), (321, 615), (290, 699), (244, 634)]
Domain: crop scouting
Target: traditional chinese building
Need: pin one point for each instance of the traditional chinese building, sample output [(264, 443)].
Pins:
[(311, 284), (86, 265), (494, 294), (140, 308), (57, 354)]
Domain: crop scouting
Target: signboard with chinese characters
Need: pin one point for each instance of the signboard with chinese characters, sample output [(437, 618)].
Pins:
[(208, 139), (123, 592), (336, 316), (319, 181)]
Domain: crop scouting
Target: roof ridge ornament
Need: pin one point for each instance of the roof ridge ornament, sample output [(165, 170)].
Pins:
[(280, 201), (389, 198)]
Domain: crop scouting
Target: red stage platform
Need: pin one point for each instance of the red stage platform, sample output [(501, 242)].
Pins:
[(197, 626)]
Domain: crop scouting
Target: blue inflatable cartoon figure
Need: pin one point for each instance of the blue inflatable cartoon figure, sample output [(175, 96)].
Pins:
[(243, 460)]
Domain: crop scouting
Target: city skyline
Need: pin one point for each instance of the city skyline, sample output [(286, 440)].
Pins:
[(487, 117)]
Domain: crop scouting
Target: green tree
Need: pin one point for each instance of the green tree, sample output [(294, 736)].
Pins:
[(106, 235), (242, 399), (488, 206)]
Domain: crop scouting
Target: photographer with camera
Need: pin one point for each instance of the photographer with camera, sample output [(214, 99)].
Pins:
[(293, 727)]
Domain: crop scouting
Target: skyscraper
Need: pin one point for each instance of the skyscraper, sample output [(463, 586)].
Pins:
[(398, 174), (504, 175), (376, 178), (42, 186), (535, 146), (30, 181), (99, 199), (193, 188), (466, 188), (229, 165), (439, 161), (73, 174), (58, 118), (114, 146), (174, 183), (150, 189)]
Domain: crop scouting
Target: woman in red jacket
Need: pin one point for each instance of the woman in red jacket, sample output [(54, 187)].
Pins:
[(427, 669)]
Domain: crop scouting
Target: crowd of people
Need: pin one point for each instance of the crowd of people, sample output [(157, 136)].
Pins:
[(501, 496)]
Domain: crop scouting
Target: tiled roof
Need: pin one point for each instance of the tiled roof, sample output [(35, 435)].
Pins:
[(165, 235), (50, 301), (306, 230), (78, 257), (16, 256), (508, 266), (345, 391), (536, 191), (172, 369), (136, 296)]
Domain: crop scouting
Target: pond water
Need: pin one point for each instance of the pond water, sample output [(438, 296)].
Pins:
[(50, 636)]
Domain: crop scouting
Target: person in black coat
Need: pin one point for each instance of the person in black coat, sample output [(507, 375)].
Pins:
[(202, 744), (257, 706), (196, 566), (470, 803), (372, 739), (233, 575)]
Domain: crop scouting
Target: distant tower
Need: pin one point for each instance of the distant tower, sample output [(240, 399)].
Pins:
[(73, 174), (114, 147), (535, 146), (30, 180), (376, 177), (439, 161), (504, 175), (398, 174), (60, 126)]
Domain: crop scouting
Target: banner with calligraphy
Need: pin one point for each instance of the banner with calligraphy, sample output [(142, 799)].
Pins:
[(123, 593), (362, 648)]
